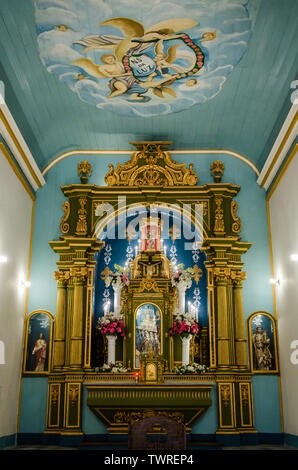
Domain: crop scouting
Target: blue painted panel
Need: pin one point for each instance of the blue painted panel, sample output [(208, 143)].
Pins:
[(33, 405), (266, 404), (208, 423), (90, 423)]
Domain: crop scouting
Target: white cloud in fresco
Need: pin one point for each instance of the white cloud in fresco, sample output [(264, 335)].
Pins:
[(229, 18)]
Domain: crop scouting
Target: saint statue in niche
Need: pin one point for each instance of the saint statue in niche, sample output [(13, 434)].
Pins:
[(148, 324), (40, 352), (261, 349)]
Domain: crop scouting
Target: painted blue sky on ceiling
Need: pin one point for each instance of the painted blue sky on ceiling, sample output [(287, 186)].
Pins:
[(140, 58)]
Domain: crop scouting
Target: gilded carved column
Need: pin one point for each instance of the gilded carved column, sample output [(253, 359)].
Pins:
[(240, 340), (77, 327), (62, 278), (222, 324)]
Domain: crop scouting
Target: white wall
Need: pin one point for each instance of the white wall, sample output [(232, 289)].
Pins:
[(15, 226), (283, 208)]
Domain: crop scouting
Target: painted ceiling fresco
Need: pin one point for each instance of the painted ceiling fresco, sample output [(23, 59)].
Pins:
[(139, 58)]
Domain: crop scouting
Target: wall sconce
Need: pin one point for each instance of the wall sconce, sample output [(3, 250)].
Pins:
[(3, 259), (274, 281), (25, 283), (294, 257)]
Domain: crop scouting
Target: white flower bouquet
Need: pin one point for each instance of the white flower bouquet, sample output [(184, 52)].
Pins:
[(193, 368), (182, 277)]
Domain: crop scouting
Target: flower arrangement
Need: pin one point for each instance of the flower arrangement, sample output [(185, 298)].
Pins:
[(182, 277), (184, 325), (193, 368), (111, 324), (116, 368), (119, 277)]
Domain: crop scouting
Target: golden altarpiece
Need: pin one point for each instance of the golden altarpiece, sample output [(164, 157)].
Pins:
[(150, 386)]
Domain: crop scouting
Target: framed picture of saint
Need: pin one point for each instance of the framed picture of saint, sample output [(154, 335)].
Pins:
[(148, 325), (38, 343), (262, 343)]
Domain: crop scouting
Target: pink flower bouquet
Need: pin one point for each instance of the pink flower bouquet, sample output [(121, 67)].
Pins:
[(111, 324), (184, 325)]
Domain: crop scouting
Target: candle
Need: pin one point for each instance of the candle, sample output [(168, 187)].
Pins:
[(189, 306), (106, 307), (136, 250), (165, 250)]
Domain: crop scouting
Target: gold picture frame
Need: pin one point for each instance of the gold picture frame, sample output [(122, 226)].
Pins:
[(37, 357), (262, 343), (135, 328)]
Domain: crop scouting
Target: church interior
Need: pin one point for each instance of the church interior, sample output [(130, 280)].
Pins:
[(148, 236)]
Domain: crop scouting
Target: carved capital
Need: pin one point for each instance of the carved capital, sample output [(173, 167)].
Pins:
[(221, 274), (62, 277), (238, 277), (79, 274)]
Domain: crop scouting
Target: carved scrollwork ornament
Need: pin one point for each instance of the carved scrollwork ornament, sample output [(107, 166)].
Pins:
[(225, 395), (151, 165), (236, 226), (219, 225), (54, 395), (81, 227), (64, 226)]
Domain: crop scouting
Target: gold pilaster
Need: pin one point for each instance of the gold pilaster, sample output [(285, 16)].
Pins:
[(240, 341), (60, 323), (77, 329), (222, 333)]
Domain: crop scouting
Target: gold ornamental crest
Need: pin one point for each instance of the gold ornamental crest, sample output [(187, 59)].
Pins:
[(151, 165)]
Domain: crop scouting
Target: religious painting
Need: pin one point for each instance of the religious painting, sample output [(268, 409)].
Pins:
[(142, 59), (148, 324), (262, 343), (38, 342)]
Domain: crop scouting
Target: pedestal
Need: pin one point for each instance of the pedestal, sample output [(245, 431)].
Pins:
[(111, 348), (117, 298), (181, 298), (185, 350)]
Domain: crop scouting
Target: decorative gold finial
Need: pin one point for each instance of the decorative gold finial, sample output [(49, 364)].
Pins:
[(84, 171), (217, 170)]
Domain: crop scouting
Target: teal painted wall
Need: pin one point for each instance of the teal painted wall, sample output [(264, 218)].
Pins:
[(257, 291)]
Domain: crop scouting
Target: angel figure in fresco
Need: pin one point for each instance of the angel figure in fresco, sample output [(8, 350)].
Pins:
[(262, 352), (40, 352), (135, 47)]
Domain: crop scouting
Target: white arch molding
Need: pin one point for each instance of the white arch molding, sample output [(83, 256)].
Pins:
[(106, 153)]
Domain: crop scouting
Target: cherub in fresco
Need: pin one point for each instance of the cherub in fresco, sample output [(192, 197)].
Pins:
[(135, 42), (120, 81)]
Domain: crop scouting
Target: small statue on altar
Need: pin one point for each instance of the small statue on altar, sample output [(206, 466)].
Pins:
[(150, 234)]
